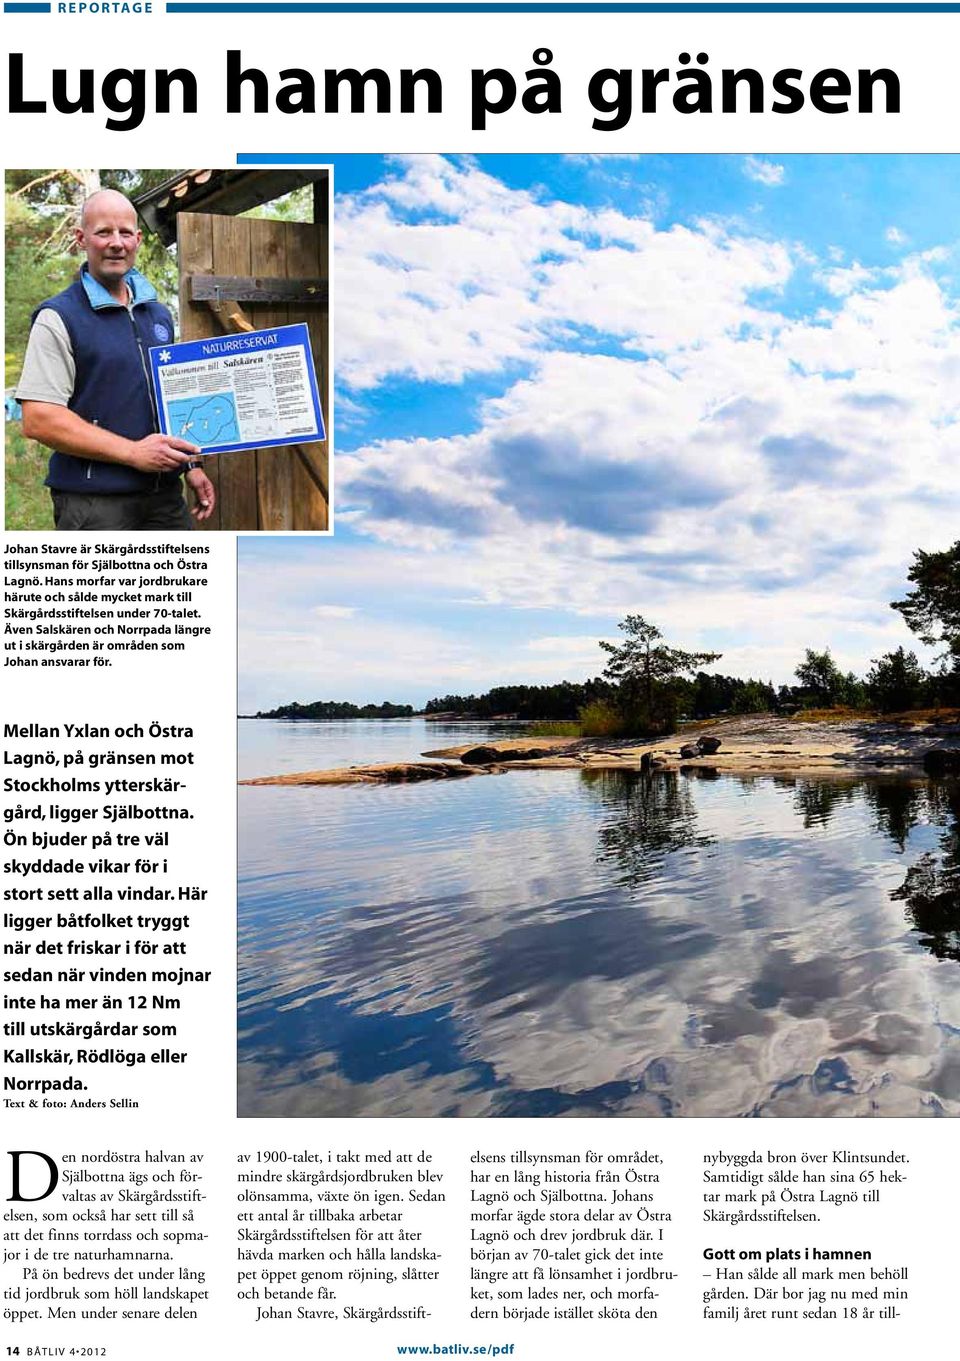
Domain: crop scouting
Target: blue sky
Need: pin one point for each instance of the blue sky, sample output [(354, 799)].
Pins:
[(719, 391)]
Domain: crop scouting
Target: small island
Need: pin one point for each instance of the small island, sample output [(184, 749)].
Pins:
[(656, 709), (328, 710)]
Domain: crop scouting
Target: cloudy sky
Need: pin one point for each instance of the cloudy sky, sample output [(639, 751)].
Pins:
[(721, 392)]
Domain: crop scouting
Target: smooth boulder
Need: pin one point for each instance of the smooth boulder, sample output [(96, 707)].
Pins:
[(485, 756), (942, 761), (480, 756)]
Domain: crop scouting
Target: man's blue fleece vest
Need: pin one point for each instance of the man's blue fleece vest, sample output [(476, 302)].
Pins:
[(113, 387)]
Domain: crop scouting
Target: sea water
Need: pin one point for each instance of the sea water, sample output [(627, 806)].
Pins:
[(561, 942)]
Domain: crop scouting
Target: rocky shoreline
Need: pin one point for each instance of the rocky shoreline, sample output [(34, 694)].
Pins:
[(758, 744)]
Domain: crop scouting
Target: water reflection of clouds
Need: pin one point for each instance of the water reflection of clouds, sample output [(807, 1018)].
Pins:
[(551, 946)]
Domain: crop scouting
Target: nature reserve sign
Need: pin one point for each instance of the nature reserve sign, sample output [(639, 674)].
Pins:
[(236, 392)]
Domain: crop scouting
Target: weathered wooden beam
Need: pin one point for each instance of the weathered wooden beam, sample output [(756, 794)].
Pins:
[(231, 316), (217, 191), (273, 292)]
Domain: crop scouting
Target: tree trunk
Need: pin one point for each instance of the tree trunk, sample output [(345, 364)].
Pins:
[(90, 179)]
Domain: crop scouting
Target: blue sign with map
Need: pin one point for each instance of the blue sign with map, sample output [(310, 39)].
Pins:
[(205, 420), (235, 392)]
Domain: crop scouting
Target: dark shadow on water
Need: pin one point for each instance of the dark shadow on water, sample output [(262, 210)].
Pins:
[(649, 817), (931, 888), (899, 807), (679, 939), (817, 800)]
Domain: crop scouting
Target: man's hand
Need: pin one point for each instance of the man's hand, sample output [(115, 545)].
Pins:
[(202, 488), (60, 428), (161, 453)]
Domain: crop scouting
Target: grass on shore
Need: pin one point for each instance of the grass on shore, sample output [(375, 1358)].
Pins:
[(909, 717), (550, 727), (27, 499), (839, 715)]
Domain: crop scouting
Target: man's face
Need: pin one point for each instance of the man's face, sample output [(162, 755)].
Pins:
[(110, 237)]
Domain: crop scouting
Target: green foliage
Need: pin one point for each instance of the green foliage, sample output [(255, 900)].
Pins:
[(823, 685), (854, 692), (562, 701), (555, 727), (820, 677), (31, 275), (752, 697), (643, 662), (706, 695), (297, 206), (649, 676), (452, 704), (602, 718), (333, 709), (945, 685), (28, 504), (896, 681), (932, 608)]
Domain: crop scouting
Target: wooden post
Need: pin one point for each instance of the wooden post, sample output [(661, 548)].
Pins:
[(274, 466), (195, 256), (282, 488), (232, 254), (311, 465)]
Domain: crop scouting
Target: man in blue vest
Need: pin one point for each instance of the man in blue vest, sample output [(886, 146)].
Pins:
[(88, 396)]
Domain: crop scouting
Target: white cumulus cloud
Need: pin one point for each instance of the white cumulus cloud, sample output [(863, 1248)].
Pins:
[(677, 442), (763, 171)]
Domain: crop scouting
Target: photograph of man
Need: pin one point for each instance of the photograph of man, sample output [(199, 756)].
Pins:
[(87, 394)]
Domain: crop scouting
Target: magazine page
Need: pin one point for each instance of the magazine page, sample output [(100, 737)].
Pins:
[(481, 679)]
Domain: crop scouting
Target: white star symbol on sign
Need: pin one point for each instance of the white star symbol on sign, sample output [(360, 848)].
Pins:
[(164, 356)]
